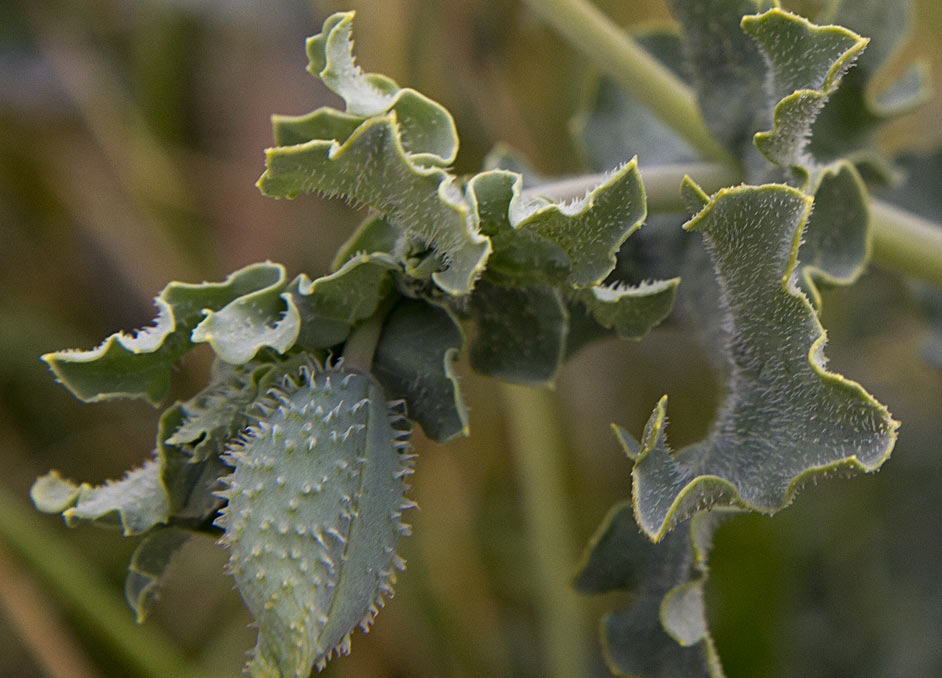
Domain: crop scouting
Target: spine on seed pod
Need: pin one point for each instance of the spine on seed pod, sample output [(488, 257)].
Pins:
[(314, 512)]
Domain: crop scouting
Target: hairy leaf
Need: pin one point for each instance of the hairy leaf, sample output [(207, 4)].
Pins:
[(849, 121), (135, 503), (314, 514), (836, 246), (139, 366), (663, 633), (148, 564), (727, 69), (331, 305), (630, 311), (806, 64), (414, 361), (521, 333), (785, 418), (392, 160)]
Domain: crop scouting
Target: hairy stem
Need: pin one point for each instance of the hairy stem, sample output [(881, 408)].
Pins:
[(73, 580), (616, 54), (539, 453)]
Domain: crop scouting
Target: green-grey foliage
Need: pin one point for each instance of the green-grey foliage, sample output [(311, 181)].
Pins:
[(296, 451)]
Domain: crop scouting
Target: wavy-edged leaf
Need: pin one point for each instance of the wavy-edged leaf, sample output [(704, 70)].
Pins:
[(428, 130), (414, 361), (630, 310), (836, 246), (806, 63), (139, 366), (314, 514), (612, 126), (374, 234), (521, 333), (329, 306), (148, 564), (727, 70), (663, 633), (135, 503), (785, 418), (538, 241), (391, 160), (848, 123), (239, 330)]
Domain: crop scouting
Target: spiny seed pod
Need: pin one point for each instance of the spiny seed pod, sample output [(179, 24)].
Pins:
[(314, 514)]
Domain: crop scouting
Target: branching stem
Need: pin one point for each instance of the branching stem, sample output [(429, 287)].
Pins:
[(616, 54)]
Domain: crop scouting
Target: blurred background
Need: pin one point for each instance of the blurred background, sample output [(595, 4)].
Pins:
[(131, 134)]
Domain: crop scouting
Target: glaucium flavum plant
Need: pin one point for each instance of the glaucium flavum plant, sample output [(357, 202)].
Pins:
[(756, 136)]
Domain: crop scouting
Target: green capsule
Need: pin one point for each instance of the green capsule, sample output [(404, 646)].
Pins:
[(312, 542)]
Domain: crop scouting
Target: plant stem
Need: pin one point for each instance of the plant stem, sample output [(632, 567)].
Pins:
[(902, 241), (539, 453), (361, 344), (621, 58), (661, 184), (906, 243), (67, 573)]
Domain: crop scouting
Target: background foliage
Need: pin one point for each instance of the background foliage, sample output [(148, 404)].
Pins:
[(130, 138)]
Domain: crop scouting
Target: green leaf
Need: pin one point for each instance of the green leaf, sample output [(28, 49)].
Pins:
[(428, 130), (630, 311), (314, 514), (727, 70), (392, 160), (836, 245), (806, 64), (238, 330), (332, 304), (663, 633), (848, 123), (148, 564), (521, 333), (414, 360), (783, 411), (373, 235), (611, 126), (139, 366), (135, 503)]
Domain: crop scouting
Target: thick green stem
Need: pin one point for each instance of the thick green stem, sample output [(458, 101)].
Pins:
[(539, 453), (906, 243), (69, 576), (360, 346), (622, 59)]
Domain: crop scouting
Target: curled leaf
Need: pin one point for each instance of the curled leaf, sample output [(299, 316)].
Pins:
[(785, 418)]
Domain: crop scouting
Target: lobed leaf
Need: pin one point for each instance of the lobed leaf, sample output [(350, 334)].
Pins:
[(663, 632), (631, 311), (139, 365), (414, 361), (390, 160), (314, 513), (785, 418), (806, 63)]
